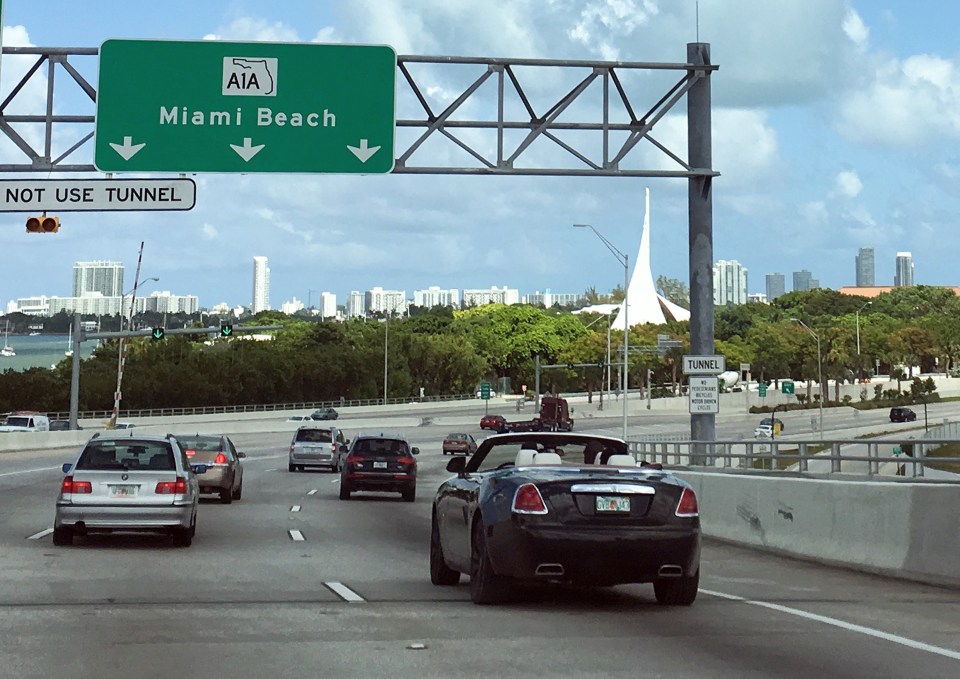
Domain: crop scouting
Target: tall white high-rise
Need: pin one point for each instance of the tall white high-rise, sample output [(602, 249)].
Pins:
[(103, 277), (729, 282), (261, 285), (378, 300), (328, 305), (356, 304), (903, 274), (434, 296)]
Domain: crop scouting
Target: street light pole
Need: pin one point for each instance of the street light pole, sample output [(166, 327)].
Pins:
[(819, 368), (859, 366), (625, 260), (386, 341)]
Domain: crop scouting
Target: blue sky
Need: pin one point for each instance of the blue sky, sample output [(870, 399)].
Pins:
[(835, 126)]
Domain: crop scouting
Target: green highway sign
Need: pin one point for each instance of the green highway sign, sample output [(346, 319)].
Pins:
[(226, 329), (485, 391), (212, 106), (786, 388), (763, 390), (158, 333)]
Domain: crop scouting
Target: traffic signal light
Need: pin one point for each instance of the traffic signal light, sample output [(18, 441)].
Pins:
[(158, 333), (226, 329), (43, 224), (600, 364)]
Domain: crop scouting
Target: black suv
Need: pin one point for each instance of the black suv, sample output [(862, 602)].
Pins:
[(901, 414), (381, 462)]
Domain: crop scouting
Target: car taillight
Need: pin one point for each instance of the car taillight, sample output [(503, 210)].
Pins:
[(221, 459), (76, 487), (178, 487), (528, 500), (688, 504), (405, 460), (191, 453)]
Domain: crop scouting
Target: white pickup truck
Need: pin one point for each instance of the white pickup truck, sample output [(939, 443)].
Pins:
[(25, 422)]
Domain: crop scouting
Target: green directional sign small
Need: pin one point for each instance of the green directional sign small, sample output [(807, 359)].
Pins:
[(570, 366), (786, 388), (485, 391), (600, 364), (214, 106), (763, 390), (226, 330), (159, 333)]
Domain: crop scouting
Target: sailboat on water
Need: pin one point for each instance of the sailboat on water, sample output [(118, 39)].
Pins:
[(7, 350)]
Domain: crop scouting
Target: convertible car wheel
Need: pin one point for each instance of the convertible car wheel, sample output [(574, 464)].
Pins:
[(677, 591), (440, 573), (486, 587)]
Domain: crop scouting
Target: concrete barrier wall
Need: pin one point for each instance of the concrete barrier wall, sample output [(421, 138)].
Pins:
[(893, 528)]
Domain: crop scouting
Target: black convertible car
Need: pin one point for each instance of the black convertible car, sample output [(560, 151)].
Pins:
[(560, 507)]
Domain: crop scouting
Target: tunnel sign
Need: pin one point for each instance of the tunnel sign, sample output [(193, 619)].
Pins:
[(212, 106), (704, 365), (96, 195)]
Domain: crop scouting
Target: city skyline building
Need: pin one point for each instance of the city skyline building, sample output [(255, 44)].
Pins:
[(802, 281), (435, 296), (903, 270), (261, 285), (328, 305), (729, 282), (356, 306), (103, 277), (495, 295), (865, 268), (776, 286), (380, 301)]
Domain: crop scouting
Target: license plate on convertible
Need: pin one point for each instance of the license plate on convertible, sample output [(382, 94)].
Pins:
[(613, 503)]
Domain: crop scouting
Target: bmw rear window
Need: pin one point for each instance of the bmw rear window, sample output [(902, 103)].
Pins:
[(128, 455), (314, 436)]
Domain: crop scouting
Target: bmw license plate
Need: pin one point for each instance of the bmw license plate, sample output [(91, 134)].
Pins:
[(379, 465), (123, 491), (613, 503)]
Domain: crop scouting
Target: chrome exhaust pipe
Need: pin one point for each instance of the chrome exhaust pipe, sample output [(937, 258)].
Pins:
[(670, 571), (550, 570)]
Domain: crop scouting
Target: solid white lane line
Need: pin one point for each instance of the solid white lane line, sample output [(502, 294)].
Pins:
[(29, 471), (312, 492), (344, 592), (296, 536), (295, 508), (43, 533), (860, 629), (270, 470)]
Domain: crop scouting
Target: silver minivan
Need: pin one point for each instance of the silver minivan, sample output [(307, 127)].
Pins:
[(316, 446), (122, 482)]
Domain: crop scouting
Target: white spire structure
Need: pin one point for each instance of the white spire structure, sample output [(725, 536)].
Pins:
[(645, 304)]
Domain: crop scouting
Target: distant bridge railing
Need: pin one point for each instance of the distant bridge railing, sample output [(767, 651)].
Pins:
[(259, 407), (870, 458)]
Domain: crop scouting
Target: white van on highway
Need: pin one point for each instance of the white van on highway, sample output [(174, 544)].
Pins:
[(25, 421)]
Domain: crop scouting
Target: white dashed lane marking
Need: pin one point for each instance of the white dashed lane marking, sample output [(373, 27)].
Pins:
[(344, 592), (296, 536), (860, 629), (312, 492), (295, 508), (36, 536)]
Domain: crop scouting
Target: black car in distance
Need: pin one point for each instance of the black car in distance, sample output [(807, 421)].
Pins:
[(380, 462), (901, 414)]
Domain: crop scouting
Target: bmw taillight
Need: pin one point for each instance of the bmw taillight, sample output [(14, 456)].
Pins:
[(688, 504), (220, 459), (178, 487), (528, 500), (76, 487)]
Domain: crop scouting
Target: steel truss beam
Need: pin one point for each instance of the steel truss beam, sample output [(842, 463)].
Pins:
[(513, 78)]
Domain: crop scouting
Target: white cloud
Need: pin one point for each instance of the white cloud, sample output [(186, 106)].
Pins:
[(856, 30), (848, 184), (210, 231), (258, 30), (908, 102)]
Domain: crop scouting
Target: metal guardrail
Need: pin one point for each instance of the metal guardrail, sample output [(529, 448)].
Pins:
[(259, 407), (803, 456)]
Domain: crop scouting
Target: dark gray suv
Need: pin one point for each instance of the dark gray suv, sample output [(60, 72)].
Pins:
[(380, 462)]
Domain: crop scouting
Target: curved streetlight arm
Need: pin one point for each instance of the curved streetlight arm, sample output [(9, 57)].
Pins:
[(610, 246)]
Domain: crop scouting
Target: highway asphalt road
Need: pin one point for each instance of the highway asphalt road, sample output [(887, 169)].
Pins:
[(292, 582)]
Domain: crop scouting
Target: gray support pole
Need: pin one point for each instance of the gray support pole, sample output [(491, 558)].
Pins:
[(536, 384), (700, 156), (75, 373)]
